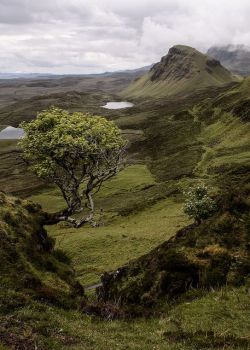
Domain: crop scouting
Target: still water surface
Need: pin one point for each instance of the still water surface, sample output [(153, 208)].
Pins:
[(118, 105), (11, 133)]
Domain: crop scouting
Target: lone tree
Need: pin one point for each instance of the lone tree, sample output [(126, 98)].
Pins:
[(77, 152), (198, 204)]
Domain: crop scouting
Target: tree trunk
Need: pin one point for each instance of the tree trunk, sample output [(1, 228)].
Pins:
[(54, 218)]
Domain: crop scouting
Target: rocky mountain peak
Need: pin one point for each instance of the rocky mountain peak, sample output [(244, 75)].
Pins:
[(183, 70), (182, 62)]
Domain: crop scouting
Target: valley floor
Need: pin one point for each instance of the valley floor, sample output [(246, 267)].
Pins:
[(141, 212), (121, 238), (207, 320), (216, 320)]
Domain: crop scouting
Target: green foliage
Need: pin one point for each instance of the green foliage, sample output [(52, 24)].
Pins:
[(179, 73), (199, 205), (224, 141), (211, 254), (72, 149), (187, 325), (215, 320), (30, 268)]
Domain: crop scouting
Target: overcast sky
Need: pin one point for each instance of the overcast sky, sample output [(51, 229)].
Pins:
[(85, 36)]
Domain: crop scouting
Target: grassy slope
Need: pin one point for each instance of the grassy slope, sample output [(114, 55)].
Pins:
[(201, 77), (143, 87), (226, 143), (211, 254), (14, 177), (224, 313), (122, 238), (217, 320), (94, 251), (27, 109), (152, 218), (208, 321), (31, 271)]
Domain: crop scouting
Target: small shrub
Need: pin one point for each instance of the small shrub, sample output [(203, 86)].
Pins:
[(31, 207), (9, 218), (61, 256), (199, 205)]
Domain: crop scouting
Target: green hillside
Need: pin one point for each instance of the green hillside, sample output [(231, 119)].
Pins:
[(182, 70), (30, 266), (206, 255), (210, 139), (199, 137), (206, 142)]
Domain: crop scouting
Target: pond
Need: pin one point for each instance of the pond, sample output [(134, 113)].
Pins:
[(118, 105), (11, 133)]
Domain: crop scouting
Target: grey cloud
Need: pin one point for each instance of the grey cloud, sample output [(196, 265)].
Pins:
[(79, 36), (12, 12)]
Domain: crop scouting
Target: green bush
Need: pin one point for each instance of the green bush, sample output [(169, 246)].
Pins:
[(198, 204)]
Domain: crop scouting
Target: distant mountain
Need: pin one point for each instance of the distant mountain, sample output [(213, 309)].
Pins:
[(136, 72), (235, 58), (24, 75), (182, 70)]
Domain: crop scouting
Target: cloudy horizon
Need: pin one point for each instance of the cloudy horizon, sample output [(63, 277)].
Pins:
[(83, 36)]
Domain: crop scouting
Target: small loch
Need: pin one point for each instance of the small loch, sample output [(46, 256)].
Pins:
[(11, 133), (118, 105)]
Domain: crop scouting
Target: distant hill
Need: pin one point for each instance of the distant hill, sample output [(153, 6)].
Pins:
[(209, 141), (234, 58), (182, 70), (135, 71), (192, 138), (25, 75)]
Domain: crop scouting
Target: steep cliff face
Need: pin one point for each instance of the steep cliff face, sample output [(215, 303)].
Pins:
[(182, 70), (183, 62)]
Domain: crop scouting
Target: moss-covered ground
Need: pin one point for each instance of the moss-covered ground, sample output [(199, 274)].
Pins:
[(217, 320), (141, 209), (136, 218), (205, 320)]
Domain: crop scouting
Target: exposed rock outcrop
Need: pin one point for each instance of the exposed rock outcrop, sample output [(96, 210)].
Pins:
[(182, 70)]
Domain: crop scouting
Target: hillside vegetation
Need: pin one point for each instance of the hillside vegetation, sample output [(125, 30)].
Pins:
[(31, 270), (182, 70), (208, 255), (28, 317), (188, 284), (30, 266)]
